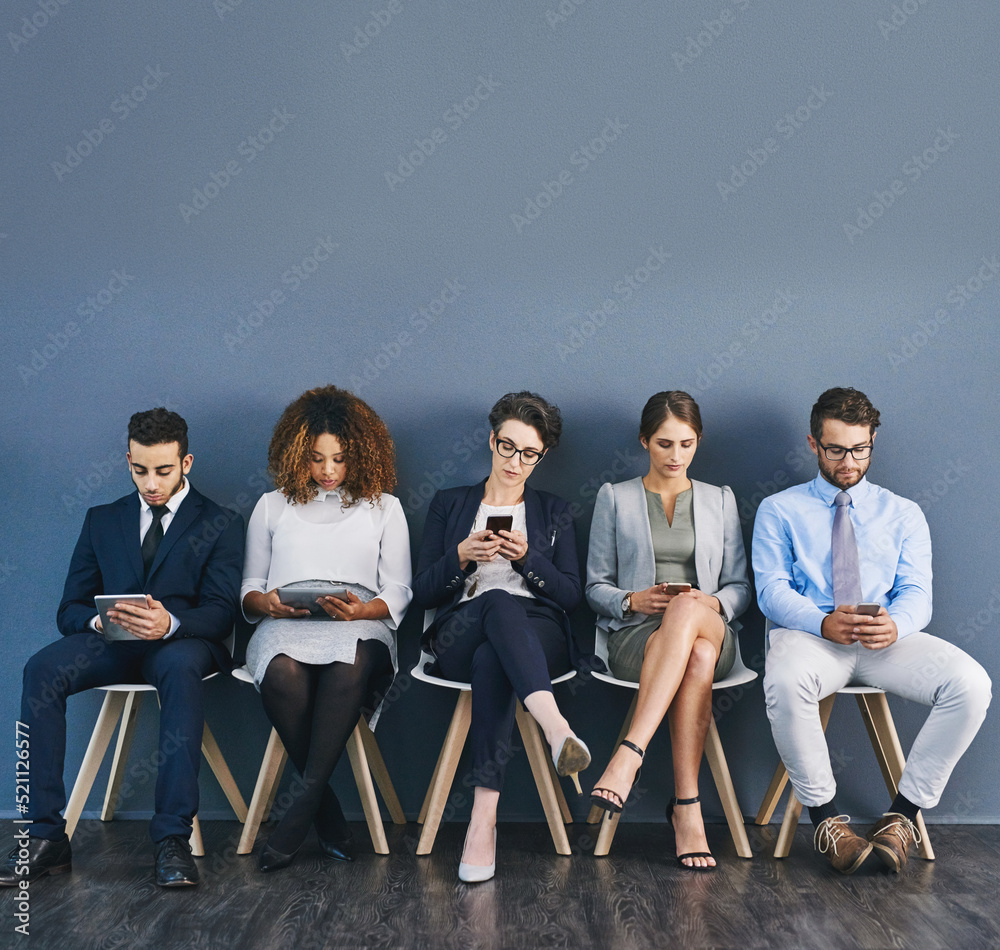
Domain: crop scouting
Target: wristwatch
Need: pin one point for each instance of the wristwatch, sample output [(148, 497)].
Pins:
[(627, 603)]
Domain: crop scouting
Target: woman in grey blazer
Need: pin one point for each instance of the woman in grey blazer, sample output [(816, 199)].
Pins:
[(667, 576)]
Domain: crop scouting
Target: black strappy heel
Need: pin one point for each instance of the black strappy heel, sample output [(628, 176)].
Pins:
[(616, 804), (690, 854)]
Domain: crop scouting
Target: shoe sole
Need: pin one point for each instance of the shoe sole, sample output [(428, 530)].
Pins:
[(860, 860), (888, 857), (573, 758)]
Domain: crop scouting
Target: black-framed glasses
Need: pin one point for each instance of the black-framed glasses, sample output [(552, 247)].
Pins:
[(508, 450), (836, 452)]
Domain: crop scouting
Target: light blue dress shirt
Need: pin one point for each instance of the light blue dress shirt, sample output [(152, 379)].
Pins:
[(793, 561)]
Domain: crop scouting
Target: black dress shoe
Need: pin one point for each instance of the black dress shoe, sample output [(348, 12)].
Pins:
[(271, 860), (41, 857), (342, 850), (174, 865)]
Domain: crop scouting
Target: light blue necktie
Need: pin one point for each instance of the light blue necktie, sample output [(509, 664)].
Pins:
[(846, 571)]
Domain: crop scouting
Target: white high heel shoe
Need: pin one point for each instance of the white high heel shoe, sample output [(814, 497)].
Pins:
[(476, 873)]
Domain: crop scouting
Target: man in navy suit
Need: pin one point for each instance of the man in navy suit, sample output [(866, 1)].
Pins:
[(185, 553)]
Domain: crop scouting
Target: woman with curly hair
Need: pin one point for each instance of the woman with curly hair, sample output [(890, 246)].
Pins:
[(498, 561), (331, 517)]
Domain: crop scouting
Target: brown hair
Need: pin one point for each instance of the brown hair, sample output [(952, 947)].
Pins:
[(532, 410), (662, 406), (158, 427), (368, 450), (847, 405)]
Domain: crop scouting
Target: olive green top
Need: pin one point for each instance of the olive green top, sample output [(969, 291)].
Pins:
[(673, 544)]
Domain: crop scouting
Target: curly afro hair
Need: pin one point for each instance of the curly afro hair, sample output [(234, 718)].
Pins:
[(363, 436)]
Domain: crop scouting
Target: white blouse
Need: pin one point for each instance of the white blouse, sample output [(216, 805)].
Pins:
[(321, 541), (496, 574)]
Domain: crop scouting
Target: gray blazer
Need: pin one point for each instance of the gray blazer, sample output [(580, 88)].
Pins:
[(620, 558)]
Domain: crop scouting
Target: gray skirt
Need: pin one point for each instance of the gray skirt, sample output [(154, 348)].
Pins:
[(627, 647), (317, 641)]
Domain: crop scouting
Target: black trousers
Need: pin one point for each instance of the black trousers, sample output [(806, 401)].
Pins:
[(508, 647), (85, 660)]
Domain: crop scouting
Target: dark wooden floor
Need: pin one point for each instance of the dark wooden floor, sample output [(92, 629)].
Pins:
[(636, 897)]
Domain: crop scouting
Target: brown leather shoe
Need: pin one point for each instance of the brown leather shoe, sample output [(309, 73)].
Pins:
[(891, 837), (846, 850)]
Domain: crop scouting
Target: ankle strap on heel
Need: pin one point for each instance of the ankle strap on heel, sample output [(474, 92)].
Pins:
[(685, 801), (631, 745)]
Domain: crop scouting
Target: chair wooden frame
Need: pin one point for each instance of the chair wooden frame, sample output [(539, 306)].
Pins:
[(557, 813), (122, 702), (874, 706), (366, 763), (738, 676)]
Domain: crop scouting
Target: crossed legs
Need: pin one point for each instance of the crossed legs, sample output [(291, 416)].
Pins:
[(677, 672)]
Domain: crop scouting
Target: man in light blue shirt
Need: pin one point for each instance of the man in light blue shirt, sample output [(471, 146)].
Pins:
[(819, 643)]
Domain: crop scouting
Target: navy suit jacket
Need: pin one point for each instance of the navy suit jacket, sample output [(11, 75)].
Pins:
[(196, 574), (550, 569)]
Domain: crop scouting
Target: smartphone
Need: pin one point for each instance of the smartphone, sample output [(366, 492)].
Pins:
[(676, 588), (498, 523), (870, 610)]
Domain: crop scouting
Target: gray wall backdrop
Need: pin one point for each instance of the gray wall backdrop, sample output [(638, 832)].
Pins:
[(214, 206)]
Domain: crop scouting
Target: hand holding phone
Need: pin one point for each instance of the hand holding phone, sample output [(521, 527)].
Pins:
[(674, 589)]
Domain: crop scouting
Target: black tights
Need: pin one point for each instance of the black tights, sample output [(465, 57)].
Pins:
[(315, 709)]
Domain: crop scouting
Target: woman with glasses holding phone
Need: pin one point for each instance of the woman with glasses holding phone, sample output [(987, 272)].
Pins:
[(667, 576), (498, 561)]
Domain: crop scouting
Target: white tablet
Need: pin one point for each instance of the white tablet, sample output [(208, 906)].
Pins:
[(106, 602), (305, 598)]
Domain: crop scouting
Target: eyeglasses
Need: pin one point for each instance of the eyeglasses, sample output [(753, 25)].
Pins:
[(836, 452), (508, 450)]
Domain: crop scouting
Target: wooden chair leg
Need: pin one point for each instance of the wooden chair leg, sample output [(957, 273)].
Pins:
[(444, 775), (366, 789), (885, 741), (100, 738), (772, 795), (597, 814), (793, 809), (422, 817), (606, 834), (130, 712), (216, 762), (537, 752), (567, 815), (197, 845), (381, 774), (271, 767), (727, 794)]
